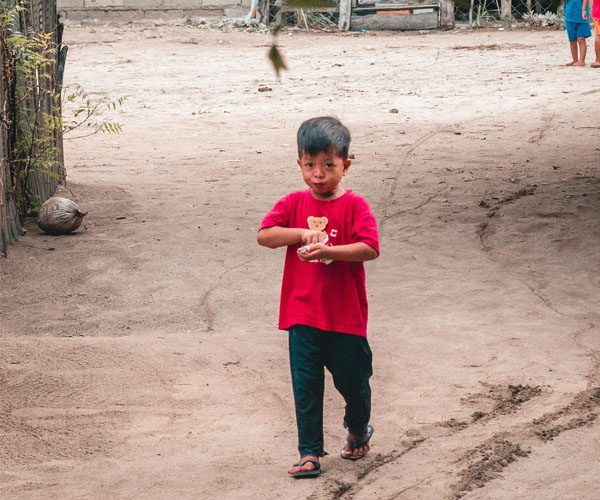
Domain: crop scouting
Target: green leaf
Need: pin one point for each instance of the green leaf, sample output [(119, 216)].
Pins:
[(276, 60)]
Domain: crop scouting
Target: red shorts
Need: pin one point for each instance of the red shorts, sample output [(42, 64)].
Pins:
[(597, 26)]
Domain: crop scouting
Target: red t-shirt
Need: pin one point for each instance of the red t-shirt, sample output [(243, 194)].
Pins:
[(333, 296)]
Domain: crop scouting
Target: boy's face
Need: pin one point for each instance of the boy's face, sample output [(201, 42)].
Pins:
[(323, 172)]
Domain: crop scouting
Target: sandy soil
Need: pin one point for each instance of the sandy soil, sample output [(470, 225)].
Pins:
[(139, 357)]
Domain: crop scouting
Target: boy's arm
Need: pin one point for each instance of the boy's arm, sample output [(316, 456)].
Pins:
[(276, 236), (584, 9), (353, 252)]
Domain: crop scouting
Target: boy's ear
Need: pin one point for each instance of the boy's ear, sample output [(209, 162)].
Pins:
[(298, 162), (347, 163)]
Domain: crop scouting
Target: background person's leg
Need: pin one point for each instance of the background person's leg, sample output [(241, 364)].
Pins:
[(574, 53), (582, 46), (596, 63), (571, 29)]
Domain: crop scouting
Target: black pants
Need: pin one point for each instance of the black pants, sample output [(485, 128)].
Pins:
[(349, 359)]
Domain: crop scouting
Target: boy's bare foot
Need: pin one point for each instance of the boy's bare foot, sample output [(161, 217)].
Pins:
[(307, 466), (572, 63), (357, 446), (579, 64), (351, 453)]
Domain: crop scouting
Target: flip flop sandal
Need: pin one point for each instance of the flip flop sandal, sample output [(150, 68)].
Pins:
[(316, 472), (361, 441)]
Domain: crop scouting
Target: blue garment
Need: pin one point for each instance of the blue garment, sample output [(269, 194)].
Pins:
[(578, 30), (573, 12)]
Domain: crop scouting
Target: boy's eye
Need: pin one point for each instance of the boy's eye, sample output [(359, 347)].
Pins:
[(328, 165)]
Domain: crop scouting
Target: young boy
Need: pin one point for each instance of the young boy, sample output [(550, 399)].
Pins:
[(596, 21), (329, 232), (578, 29)]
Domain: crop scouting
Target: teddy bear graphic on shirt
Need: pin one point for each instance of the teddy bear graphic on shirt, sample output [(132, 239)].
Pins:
[(319, 224)]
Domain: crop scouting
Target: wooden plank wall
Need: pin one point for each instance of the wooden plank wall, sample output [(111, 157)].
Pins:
[(3, 174), (402, 22), (40, 17), (395, 14), (43, 183), (10, 225)]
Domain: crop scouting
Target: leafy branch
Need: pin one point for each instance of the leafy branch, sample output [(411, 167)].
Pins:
[(86, 108)]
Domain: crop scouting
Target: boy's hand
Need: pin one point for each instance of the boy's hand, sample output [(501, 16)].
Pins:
[(311, 236), (584, 14), (315, 251)]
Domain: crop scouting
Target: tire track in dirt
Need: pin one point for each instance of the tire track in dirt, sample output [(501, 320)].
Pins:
[(546, 126), (473, 467), (486, 462), (338, 489), (427, 200), (204, 305), (388, 201), (486, 230), (505, 401)]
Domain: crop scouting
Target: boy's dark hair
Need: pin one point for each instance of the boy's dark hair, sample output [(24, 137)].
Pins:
[(321, 135)]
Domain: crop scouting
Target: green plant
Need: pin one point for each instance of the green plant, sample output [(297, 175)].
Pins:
[(85, 112), (25, 71), (34, 118)]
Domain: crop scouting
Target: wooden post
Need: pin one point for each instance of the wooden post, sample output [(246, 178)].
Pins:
[(265, 7), (447, 14), (505, 9), (3, 169), (345, 13)]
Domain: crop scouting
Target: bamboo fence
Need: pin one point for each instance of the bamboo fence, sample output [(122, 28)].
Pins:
[(39, 17)]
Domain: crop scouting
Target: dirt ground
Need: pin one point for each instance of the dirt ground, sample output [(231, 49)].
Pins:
[(140, 358)]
